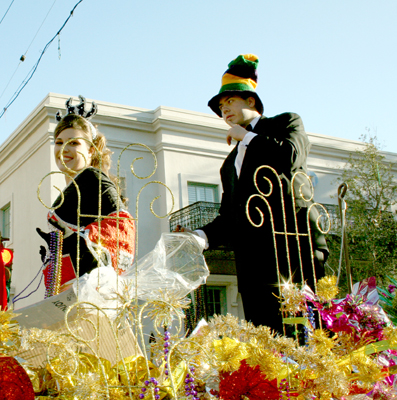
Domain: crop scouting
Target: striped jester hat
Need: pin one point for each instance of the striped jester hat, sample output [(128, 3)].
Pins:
[(240, 77)]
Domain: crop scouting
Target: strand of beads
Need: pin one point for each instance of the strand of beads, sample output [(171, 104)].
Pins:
[(51, 265), (58, 269), (53, 278), (190, 388), (152, 381), (190, 315), (312, 320), (166, 349), (284, 387), (310, 317)]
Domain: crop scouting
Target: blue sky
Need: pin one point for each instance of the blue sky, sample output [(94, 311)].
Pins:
[(332, 62)]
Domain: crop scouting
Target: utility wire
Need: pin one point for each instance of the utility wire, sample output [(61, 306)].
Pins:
[(23, 57), (33, 70), (6, 11), (26, 52)]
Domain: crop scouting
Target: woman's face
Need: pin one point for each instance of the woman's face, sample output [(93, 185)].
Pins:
[(77, 153)]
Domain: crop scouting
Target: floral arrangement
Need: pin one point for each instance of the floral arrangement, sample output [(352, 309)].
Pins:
[(351, 356)]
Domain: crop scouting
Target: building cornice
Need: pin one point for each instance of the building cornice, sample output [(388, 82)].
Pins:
[(165, 121), (44, 139), (22, 134)]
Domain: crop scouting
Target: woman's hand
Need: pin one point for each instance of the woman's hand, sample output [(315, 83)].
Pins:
[(180, 228), (66, 286), (44, 235)]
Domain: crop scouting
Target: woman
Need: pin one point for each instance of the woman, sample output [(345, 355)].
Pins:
[(88, 223)]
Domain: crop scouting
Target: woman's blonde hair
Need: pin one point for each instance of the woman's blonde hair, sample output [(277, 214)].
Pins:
[(75, 121)]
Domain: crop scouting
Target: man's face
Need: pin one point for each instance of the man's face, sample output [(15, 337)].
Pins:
[(237, 110)]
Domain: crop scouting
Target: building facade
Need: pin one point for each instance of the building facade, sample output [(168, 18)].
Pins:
[(189, 148)]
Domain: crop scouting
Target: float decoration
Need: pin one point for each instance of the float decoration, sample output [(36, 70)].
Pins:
[(226, 358)]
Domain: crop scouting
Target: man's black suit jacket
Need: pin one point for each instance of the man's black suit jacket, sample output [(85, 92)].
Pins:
[(282, 144)]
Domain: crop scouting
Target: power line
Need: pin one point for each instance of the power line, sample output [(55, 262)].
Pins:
[(22, 59), (33, 70), (40, 27), (6, 11), (1, 95)]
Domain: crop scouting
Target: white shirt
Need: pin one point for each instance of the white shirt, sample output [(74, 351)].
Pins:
[(242, 146)]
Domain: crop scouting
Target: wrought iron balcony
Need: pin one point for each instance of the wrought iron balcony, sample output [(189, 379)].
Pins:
[(202, 212), (194, 216)]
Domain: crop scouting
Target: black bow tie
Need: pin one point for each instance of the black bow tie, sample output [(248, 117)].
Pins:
[(249, 128)]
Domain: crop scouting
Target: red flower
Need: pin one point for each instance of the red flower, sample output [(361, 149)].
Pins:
[(247, 381), (354, 389), (14, 381)]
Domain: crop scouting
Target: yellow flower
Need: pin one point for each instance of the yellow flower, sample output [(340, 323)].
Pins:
[(229, 353), (326, 288)]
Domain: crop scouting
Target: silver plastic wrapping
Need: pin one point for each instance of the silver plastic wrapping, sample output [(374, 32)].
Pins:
[(175, 266)]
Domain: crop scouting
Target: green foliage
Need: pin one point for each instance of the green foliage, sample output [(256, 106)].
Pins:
[(371, 224), (388, 299)]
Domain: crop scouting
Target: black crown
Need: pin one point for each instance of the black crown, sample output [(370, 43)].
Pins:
[(79, 109)]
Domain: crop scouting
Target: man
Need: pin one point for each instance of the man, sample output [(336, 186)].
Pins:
[(263, 257)]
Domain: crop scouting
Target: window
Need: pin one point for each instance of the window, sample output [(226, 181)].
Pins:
[(6, 221), (216, 300), (202, 192)]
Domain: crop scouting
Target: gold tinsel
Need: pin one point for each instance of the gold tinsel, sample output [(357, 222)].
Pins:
[(347, 343), (327, 288), (327, 376), (320, 341), (292, 299), (269, 363), (90, 386), (163, 310), (229, 354), (9, 331), (59, 342), (69, 375), (325, 368), (391, 334), (365, 369), (230, 326), (285, 345), (264, 336)]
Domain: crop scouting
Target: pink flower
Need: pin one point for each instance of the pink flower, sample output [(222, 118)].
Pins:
[(391, 288)]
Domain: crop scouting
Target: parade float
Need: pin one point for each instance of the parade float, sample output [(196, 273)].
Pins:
[(89, 341)]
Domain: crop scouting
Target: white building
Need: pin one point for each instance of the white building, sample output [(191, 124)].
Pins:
[(190, 148)]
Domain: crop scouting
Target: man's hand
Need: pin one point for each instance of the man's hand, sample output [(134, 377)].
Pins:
[(236, 132), (180, 228)]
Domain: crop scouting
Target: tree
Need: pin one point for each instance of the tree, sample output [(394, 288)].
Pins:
[(371, 221)]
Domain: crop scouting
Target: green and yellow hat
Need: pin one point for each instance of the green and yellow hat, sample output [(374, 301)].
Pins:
[(241, 76)]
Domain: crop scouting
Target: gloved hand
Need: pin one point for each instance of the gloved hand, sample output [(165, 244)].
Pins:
[(43, 254), (43, 251), (44, 235)]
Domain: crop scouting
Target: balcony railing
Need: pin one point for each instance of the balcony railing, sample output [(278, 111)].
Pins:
[(202, 212), (194, 216)]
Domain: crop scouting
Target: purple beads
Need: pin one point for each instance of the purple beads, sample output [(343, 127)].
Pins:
[(166, 349), (154, 382), (190, 388)]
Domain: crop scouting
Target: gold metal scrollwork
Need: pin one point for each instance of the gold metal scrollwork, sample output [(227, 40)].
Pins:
[(129, 312), (297, 194)]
